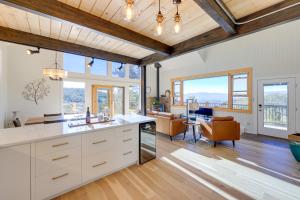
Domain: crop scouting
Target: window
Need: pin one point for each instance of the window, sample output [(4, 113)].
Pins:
[(209, 92), (99, 67), (240, 92), (108, 99), (74, 63), (228, 91), (118, 70), (134, 72), (134, 99), (74, 97), (177, 96)]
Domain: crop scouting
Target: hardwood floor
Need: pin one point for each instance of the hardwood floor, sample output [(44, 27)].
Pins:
[(257, 168)]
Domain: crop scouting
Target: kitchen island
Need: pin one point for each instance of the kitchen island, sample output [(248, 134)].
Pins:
[(45, 160)]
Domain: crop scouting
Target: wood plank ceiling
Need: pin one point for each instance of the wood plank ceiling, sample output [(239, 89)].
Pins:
[(50, 27), (195, 22), (242, 8)]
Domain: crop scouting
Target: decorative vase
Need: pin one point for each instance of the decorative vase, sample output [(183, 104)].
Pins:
[(295, 149)]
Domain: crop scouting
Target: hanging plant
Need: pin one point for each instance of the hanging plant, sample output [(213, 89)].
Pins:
[(36, 90)]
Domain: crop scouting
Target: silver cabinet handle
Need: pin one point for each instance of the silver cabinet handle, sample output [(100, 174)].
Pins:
[(98, 142), (127, 130), (61, 144), (59, 158), (57, 177), (127, 140), (129, 152), (97, 165)]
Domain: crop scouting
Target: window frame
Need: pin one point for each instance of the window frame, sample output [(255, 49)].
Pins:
[(230, 74), (110, 93)]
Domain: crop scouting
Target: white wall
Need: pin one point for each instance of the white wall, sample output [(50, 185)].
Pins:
[(22, 69), (3, 82), (151, 80), (17, 69), (271, 53)]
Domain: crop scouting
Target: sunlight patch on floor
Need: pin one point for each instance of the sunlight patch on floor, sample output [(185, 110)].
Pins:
[(270, 170), (244, 179), (199, 179)]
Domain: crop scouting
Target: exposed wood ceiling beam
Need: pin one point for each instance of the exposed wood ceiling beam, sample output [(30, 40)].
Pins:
[(218, 35), (216, 12), (20, 37), (54, 8)]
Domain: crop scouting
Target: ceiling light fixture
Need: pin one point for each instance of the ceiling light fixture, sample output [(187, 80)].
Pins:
[(31, 52), (176, 1), (177, 21), (55, 73), (90, 64), (159, 20), (120, 68), (128, 10)]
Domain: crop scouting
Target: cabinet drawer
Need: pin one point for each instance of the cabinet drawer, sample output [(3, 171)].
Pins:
[(97, 142), (126, 142), (97, 165), (57, 160), (127, 130), (57, 181), (127, 156), (50, 146)]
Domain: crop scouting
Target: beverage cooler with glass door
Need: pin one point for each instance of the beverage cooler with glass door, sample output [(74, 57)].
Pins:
[(147, 142)]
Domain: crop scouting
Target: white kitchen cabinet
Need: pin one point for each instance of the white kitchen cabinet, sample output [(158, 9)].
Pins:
[(44, 161), (15, 173)]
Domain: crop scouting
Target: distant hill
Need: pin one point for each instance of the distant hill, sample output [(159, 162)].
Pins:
[(208, 97)]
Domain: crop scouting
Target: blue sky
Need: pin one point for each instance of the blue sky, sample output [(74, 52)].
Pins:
[(74, 63), (210, 85), (275, 88), (99, 67)]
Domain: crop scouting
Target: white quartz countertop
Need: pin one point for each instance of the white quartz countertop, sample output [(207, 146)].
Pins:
[(34, 133)]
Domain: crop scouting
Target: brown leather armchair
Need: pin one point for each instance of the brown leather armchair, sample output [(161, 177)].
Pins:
[(220, 129), (168, 123)]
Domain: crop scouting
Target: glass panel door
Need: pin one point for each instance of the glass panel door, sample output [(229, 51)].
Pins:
[(276, 107), (103, 100), (108, 99), (118, 100)]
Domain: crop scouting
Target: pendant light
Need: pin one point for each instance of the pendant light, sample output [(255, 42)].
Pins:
[(177, 21), (159, 21), (55, 73), (177, 2), (128, 10)]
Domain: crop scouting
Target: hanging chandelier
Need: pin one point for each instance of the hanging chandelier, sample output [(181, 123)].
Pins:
[(56, 73)]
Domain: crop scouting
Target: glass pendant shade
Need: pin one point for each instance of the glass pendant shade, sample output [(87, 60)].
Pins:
[(177, 23), (128, 10), (159, 23)]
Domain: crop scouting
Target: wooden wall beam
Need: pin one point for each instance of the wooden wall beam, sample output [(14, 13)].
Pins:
[(216, 12), (218, 35), (20, 37), (59, 10)]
